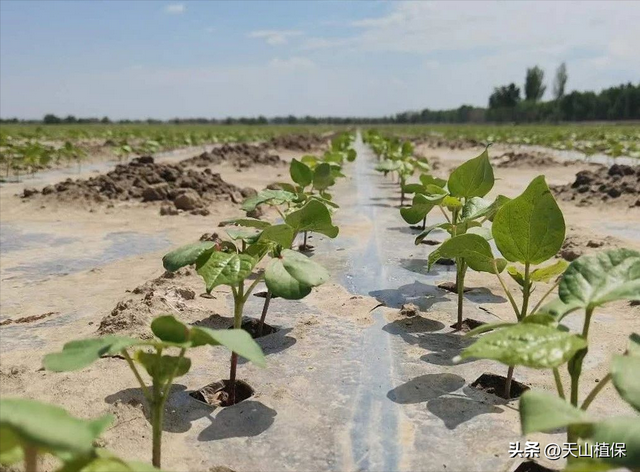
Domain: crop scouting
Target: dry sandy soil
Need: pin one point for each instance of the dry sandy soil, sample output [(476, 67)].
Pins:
[(81, 272)]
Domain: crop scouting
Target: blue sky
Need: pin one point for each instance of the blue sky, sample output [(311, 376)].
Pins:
[(214, 59)]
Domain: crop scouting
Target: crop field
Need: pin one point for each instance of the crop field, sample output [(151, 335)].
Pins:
[(395, 295)]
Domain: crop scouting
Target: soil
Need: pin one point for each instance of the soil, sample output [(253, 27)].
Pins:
[(526, 159), (241, 156), (439, 142), (452, 287), (576, 245), (299, 142), (409, 309), (251, 326), (27, 319), (217, 393), (467, 325), (144, 180), (495, 385), (618, 185)]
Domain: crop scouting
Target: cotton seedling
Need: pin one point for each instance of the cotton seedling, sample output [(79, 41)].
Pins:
[(151, 355), (462, 205), (31, 429), (289, 275)]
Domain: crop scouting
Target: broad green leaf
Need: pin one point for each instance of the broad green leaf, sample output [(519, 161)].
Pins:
[(322, 178), (543, 412), (526, 344), (625, 374), (160, 368), (591, 281), (76, 355), (530, 228), (236, 340), (309, 160), (587, 464), (419, 209), (351, 155), (224, 268), (11, 451), (634, 345), (248, 235), (313, 216), (474, 249), (186, 255), (545, 274), (474, 178), (413, 188), (46, 426), (474, 208), (248, 222), (427, 179), (268, 197), (281, 234), (300, 173), (293, 275), (102, 460), (619, 430), (484, 233), (388, 166), (486, 327), (558, 309), (168, 329)]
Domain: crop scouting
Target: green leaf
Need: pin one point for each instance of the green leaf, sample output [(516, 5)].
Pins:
[(268, 197), (526, 344), (186, 255), (11, 451), (516, 275), (427, 179), (543, 412), (160, 368), (76, 355), (351, 155), (419, 209), (224, 268), (474, 249), (293, 275), (591, 281), (322, 178), (530, 228), (545, 274), (236, 340), (388, 166), (168, 329), (313, 216), (474, 178), (281, 234), (300, 173), (625, 373), (452, 203), (46, 426), (249, 235), (248, 222), (620, 430), (558, 309)]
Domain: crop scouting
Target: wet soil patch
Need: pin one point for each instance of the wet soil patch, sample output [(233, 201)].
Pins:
[(619, 185), (241, 156), (495, 384), (467, 325), (435, 142), (252, 326), (576, 245), (531, 466), (526, 159), (144, 180), (217, 393), (28, 319), (299, 142), (446, 262), (453, 287)]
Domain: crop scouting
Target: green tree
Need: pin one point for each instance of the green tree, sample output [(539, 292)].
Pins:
[(560, 81), (533, 86)]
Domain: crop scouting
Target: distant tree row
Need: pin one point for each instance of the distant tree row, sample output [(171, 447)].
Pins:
[(505, 105)]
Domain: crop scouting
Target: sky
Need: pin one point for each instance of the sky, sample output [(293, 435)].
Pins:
[(141, 59)]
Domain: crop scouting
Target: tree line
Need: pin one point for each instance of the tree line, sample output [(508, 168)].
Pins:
[(505, 105)]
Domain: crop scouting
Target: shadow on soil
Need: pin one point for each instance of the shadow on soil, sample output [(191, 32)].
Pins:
[(438, 391), (245, 419), (422, 295)]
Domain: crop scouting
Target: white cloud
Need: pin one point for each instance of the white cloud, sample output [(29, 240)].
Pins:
[(175, 8), (275, 37)]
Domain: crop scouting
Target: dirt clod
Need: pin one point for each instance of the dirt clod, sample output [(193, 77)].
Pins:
[(409, 309), (619, 185), (495, 385), (525, 159)]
